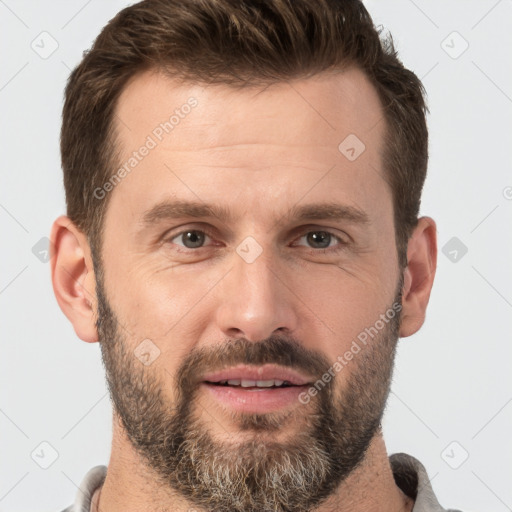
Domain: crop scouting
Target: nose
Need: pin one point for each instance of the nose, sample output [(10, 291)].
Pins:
[(254, 302)]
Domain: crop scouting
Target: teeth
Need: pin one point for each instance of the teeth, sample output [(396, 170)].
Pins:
[(265, 383), (247, 383)]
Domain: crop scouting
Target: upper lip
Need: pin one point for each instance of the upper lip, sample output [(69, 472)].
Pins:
[(265, 372)]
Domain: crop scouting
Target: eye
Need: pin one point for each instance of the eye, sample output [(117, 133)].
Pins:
[(318, 240), (321, 239), (190, 239)]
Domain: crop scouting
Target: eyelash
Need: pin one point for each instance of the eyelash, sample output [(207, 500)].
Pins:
[(337, 248)]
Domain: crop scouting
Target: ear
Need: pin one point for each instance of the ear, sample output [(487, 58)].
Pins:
[(418, 276), (73, 278)]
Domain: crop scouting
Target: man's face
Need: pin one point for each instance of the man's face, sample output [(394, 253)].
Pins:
[(279, 290)]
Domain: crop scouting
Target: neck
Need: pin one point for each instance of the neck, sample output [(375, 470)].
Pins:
[(130, 486)]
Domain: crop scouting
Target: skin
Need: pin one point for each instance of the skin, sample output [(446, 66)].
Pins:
[(260, 152)]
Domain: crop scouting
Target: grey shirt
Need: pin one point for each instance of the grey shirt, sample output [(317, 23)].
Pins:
[(410, 475)]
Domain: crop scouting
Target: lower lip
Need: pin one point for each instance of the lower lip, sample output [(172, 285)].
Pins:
[(256, 400)]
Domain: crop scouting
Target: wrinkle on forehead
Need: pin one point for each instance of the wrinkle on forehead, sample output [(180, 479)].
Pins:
[(318, 111)]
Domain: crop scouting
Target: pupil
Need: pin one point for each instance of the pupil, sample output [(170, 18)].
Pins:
[(319, 237), (193, 239)]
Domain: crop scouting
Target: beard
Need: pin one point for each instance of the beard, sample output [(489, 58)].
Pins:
[(332, 432)]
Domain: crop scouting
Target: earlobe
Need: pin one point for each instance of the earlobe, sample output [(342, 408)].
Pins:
[(418, 276), (73, 277)]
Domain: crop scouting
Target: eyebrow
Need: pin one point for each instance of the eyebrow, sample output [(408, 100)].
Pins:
[(332, 211), (175, 209)]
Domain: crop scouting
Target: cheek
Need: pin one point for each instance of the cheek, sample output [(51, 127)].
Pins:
[(347, 303), (162, 303)]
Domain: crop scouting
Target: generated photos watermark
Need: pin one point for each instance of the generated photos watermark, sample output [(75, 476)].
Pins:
[(361, 341), (152, 140)]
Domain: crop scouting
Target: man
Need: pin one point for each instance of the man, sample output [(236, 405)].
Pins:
[(243, 183)]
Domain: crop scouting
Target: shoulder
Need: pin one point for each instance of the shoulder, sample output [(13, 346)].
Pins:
[(93, 479), (412, 478)]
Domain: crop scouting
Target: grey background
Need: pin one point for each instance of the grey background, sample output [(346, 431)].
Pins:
[(452, 392)]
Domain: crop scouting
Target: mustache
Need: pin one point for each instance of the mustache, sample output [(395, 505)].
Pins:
[(286, 352)]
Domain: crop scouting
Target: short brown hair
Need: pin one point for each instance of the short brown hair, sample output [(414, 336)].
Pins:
[(239, 43)]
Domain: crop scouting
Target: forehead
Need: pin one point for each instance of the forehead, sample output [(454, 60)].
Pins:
[(321, 109), (207, 140)]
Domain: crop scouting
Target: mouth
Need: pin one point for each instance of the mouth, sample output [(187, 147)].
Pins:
[(256, 389), (251, 384), (265, 376)]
